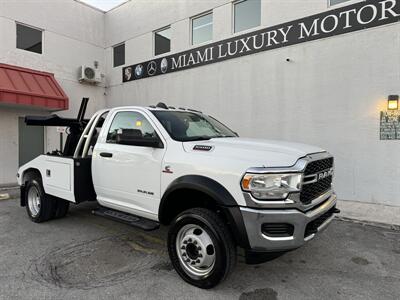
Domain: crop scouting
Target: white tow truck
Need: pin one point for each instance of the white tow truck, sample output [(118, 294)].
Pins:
[(217, 192)]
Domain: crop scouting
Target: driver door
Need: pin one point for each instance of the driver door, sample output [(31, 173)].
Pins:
[(127, 177)]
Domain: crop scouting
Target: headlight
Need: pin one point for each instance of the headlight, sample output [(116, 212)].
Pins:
[(271, 186)]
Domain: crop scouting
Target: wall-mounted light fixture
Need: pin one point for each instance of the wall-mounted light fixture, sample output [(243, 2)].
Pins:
[(393, 102)]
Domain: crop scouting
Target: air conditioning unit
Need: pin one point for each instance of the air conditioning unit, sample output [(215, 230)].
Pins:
[(89, 75)]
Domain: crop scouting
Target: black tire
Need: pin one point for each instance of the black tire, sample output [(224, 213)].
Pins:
[(45, 209), (61, 208), (218, 232)]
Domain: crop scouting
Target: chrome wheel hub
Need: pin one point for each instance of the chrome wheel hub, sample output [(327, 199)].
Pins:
[(34, 201), (195, 250)]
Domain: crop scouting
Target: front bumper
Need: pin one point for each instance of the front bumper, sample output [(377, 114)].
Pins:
[(305, 224)]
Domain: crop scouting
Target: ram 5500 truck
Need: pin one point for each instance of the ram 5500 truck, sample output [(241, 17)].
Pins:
[(217, 192)]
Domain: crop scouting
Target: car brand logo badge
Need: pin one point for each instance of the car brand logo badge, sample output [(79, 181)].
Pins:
[(151, 68), (127, 74), (139, 71), (164, 65), (324, 174)]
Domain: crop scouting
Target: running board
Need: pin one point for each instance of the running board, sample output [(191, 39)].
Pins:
[(126, 218)]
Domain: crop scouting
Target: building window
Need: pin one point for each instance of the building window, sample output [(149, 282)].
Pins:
[(29, 39), (162, 41), (202, 29), (334, 2), (247, 14), (119, 55)]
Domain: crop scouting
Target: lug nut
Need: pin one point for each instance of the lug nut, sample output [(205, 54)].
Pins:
[(189, 240), (185, 242), (193, 262), (183, 247), (200, 255), (199, 248), (184, 254), (198, 261), (188, 260), (195, 242)]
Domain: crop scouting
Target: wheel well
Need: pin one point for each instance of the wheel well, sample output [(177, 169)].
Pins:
[(183, 199), (28, 173), (186, 198)]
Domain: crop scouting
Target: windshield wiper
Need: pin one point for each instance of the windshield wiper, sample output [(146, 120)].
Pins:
[(222, 136), (198, 138)]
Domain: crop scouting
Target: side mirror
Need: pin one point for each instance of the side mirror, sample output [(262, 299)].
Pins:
[(126, 137)]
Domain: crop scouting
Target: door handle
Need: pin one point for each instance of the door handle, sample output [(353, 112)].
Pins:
[(106, 154)]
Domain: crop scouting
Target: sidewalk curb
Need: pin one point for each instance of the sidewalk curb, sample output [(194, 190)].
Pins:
[(9, 193), (369, 223), (370, 213)]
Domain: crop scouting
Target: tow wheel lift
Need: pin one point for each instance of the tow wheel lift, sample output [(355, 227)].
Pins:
[(76, 126)]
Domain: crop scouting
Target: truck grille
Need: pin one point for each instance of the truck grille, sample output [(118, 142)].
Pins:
[(318, 166), (313, 190)]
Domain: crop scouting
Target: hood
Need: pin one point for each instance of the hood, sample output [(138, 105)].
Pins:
[(256, 152)]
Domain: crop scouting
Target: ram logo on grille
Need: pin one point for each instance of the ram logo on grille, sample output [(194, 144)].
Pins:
[(325, 174)]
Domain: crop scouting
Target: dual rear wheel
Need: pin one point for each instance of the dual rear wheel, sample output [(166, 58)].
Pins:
[(39, 206)]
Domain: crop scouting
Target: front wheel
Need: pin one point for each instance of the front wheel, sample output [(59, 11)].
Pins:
[(201, 247)]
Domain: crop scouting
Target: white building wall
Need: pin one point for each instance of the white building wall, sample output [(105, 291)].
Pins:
[(8, 145), (329, 94), (73, 36)]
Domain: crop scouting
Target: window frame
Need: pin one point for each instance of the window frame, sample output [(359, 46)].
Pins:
[(32, 27), (206, 13), (115, 46), (235, 2), (154, 41), (104, 137)]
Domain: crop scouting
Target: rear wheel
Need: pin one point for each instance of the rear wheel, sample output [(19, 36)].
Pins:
[(201, 247), (61, 208), (38, 206)]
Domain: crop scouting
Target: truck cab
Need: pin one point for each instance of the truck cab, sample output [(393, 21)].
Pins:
[(217, 192)]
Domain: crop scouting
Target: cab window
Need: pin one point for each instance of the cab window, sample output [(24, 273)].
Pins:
[(130, 123), (187, 126)]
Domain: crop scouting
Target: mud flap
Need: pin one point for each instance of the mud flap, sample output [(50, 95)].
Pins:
[(22, 195)]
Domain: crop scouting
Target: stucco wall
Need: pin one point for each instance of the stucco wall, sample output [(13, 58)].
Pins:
[(73, 36), (330, 94)]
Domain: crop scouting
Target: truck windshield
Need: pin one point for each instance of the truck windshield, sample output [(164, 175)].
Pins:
[(187, 126)]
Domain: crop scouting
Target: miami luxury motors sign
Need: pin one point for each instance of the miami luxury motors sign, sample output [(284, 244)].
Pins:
[(359, 16)]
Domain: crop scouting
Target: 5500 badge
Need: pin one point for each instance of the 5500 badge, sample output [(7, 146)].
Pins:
[(359, 16)]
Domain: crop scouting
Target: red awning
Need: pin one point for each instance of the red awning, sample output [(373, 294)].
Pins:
[(21, 86)]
